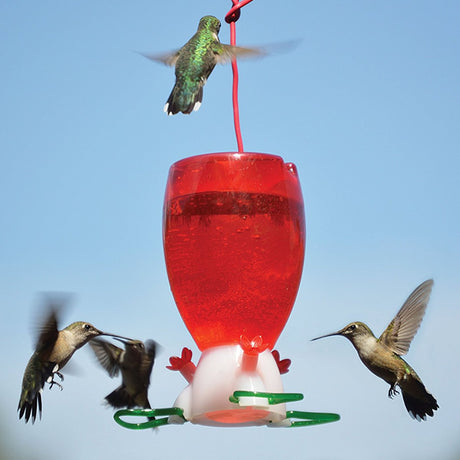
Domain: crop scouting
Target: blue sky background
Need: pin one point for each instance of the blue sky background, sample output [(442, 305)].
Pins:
[(367, 107)]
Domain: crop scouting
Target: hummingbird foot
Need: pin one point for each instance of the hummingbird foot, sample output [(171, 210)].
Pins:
[(53, 382), (393, 391)]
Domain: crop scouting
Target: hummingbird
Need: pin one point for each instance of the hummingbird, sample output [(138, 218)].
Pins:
[(53, 350), (195, 61), (135, 363), (382, 356)]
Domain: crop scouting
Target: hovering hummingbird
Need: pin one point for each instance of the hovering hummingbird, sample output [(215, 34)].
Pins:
[(382, 356), (53, 350), (194, 63), (135, 363)]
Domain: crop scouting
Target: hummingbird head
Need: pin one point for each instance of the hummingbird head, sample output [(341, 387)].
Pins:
[(137, 350), (209, 23), (82, 332), (135, 345), (354, 332)]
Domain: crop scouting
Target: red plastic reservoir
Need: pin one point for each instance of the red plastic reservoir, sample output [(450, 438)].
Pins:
[(234, 241)]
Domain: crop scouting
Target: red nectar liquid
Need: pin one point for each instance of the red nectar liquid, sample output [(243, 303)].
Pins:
[(234, 240)]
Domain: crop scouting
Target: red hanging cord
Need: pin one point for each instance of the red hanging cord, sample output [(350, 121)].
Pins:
[(231, 17), (234, 14)]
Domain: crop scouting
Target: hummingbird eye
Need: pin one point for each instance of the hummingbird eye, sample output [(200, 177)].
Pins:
[(352, 327), (87, 327)]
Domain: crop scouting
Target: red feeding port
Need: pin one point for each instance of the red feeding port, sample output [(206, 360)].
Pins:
[(234, 242)]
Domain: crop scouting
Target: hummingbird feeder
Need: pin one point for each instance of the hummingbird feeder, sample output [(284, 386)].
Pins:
[(234, 244)]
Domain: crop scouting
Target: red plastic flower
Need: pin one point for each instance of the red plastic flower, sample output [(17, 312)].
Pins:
[(254, 346), (283, 365), (183, 364)]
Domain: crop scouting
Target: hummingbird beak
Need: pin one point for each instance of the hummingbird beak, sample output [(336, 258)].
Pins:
[(116, 336), (327, 335), (123, 340)]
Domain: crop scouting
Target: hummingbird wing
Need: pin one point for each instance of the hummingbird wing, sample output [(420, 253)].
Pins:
[(147, 364), (400, 332), (48, 331), (225, 53), (108, 355), (47, 323), (40, 369), (166, 58)]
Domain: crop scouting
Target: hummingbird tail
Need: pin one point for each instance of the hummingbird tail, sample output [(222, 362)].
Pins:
[(184, 100), (30, 406), (35, 377), (421, 404), (121, 397)]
